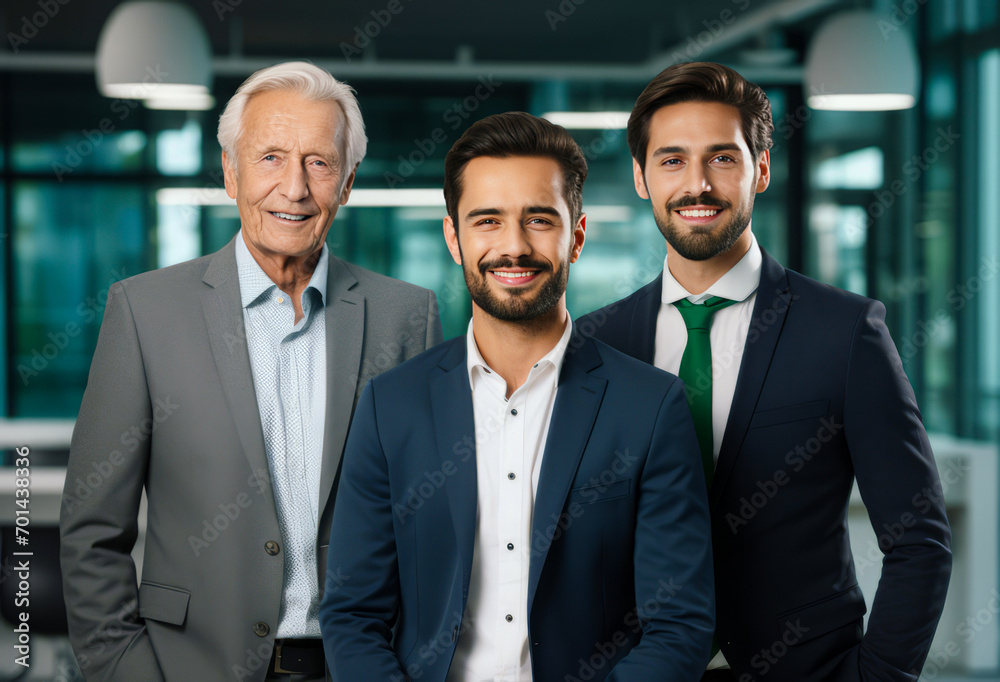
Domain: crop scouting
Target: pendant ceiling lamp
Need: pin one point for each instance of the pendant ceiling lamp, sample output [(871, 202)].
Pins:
[(154, 51), (858, 61)]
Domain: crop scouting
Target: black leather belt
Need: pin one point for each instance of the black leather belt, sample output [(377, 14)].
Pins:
[(298, 657)]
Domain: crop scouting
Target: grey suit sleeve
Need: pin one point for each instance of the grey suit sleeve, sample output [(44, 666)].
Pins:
[(434, 333), (98, 520)]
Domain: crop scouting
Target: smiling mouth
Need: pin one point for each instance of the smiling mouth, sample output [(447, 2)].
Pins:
[(700, 213), (288, 216), (514, 276)]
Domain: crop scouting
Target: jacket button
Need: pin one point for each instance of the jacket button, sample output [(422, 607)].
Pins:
[(260, 629), (271, 547)]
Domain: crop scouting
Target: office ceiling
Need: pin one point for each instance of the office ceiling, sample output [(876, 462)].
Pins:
[(611, 32)]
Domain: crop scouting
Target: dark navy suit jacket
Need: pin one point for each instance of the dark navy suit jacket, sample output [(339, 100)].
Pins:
[(821, 399), (620, 579)]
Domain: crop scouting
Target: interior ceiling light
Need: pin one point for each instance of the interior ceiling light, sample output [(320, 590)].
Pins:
[(153, 50), (855, 64)]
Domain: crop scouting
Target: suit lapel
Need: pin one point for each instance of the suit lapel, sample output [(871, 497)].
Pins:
[(769, 311), (578, 401), (223, 311), (455, 429), (345, 325), (642, 330)]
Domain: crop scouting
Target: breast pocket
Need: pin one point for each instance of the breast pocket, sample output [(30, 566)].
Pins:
[(790, 413), (601, 492)]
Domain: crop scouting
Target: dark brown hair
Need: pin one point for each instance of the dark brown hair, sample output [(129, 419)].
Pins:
[(516, 133), (702, 82)]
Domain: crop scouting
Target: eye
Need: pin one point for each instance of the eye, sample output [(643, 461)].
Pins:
[(671, 162), (270, 157), (725, 158)]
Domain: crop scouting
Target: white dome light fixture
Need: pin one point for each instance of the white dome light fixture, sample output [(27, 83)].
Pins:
[(153, 50), (854, 65)]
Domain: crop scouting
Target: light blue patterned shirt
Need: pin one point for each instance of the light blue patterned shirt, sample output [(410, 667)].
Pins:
[(288, 362)]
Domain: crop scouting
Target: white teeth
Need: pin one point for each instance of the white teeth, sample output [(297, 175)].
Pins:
[(289, 216), (512, 275), (701, 213)]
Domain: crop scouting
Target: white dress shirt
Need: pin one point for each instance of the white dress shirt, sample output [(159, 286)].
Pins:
[(288, 363), (510, 439), (727, 337)]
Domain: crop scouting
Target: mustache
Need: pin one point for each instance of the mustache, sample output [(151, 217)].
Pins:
[(698, 201), (511, 263)]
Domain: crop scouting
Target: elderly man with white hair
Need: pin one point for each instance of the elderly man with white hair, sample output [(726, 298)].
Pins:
[(223, 388)]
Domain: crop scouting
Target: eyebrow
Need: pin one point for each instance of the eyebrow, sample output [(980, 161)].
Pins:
[(477, 212), (712, 149)]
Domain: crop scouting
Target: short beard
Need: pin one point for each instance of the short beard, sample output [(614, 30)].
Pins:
[(517, 307), (691, 244)]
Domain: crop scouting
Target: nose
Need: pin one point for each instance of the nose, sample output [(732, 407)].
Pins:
[(514, 241), (294, 182), (696, 180)]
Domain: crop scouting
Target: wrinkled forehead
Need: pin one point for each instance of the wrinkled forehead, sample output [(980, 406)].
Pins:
[(285, 117)]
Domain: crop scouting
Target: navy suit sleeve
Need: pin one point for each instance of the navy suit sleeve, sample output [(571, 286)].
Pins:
[(674, 588), (361, 600), (898, 480)]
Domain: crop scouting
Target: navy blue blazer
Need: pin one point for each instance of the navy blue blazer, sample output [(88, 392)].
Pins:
[(620, 578), (821, 399)]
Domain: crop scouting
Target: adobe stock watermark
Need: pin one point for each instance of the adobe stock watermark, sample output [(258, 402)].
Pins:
[(957, 298), (965, 632), (93, 138), (31, 25), (437, 646), (454, 117), (899, 15), (792, 121), (365, 33), (607, 651), (797, 458), (913, 169), (87, 311), (769, 656), (922, 502), (102, 470)]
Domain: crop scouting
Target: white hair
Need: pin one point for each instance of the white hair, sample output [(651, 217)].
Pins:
[(312, 83)]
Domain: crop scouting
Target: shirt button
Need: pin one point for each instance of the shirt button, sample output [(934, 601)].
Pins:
[(514, 412), (512, 475), (260, 629), (280, 299), (508, 617), (271, 547), (510, 546)]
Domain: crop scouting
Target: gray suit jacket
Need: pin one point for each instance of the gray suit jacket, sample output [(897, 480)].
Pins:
[(170, 408)]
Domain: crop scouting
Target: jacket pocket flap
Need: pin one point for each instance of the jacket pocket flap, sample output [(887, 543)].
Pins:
[(600, 492), (163, 604), (791, 413), (824, 616)]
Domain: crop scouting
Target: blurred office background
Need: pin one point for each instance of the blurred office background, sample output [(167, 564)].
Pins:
[(902, 205)]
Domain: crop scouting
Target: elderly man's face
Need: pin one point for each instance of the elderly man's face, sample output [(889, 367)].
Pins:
[(288, 178)]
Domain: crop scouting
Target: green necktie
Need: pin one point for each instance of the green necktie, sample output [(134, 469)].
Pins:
[(696, 371)]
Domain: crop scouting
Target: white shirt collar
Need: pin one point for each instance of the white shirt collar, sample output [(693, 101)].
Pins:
[(254, 281), (736, 285), (553, 358)]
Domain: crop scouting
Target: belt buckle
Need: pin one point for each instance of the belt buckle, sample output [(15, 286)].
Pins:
[(277, 660)]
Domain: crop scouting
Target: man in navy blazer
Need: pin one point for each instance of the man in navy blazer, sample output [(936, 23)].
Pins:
[(520, 502), (807, 395)]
